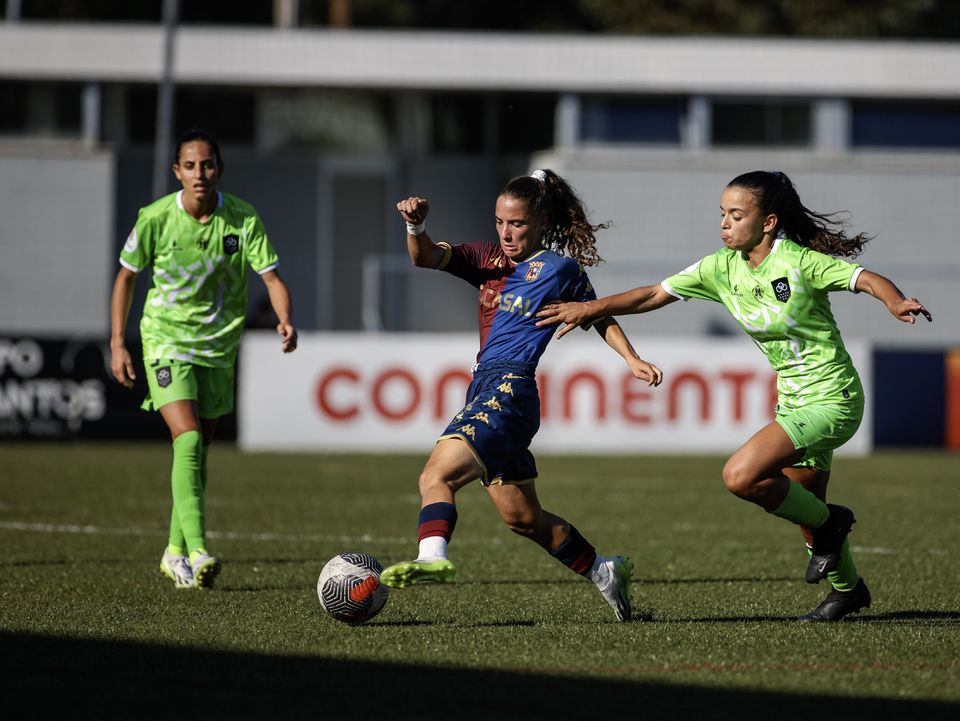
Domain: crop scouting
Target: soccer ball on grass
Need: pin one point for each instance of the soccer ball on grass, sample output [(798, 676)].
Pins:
[(349, 587)]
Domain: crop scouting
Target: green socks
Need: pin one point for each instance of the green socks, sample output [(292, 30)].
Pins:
[(188, 480), (845, 576), (805, 509), (802, 507), (176, 539)]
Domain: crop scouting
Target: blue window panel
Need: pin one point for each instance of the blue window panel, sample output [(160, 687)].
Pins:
[(632, 121), (905, 125), (909, 408)]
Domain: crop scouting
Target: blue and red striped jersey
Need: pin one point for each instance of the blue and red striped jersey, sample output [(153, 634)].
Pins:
[(511, 294)]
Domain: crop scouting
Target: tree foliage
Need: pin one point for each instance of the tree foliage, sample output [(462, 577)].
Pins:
[(917, 19), (868, 19)]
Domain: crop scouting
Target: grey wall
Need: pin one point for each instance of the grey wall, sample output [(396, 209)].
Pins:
[(665, 210), (56, 234), (65, 215)]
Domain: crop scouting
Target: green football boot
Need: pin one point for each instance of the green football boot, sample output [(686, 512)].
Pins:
[(413, 573)]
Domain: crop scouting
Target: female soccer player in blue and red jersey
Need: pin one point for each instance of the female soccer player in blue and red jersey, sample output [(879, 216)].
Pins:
[(545, 239)]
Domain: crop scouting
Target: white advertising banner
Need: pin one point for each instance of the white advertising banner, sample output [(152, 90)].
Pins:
[(396, 392)]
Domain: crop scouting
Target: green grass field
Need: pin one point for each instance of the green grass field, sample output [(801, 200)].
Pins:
[(88, 624)]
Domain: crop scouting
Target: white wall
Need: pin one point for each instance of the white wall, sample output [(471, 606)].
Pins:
[(397, 392)]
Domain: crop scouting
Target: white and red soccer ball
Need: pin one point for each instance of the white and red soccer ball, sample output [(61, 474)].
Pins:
[(349, 587)]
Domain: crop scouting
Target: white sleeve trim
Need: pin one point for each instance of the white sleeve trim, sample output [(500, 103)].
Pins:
[(129, 266), (273, 266), (666, 286), (853, 280)]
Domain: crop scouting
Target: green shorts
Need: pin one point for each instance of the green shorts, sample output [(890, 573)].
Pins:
[(171, 380), (820, 429)]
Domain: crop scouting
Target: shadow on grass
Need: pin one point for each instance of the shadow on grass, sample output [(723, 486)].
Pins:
[(936, 618), (926, 618), (44, 677), (570, 579)]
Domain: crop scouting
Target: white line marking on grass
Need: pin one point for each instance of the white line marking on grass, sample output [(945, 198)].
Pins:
[(876, 550), (91, 530), (230, 535)]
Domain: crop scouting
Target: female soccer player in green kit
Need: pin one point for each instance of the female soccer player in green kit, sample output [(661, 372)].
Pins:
[(773, 276), (198, 243)]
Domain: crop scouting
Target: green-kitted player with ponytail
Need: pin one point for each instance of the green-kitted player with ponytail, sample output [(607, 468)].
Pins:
[(198, 243), (779, 263)]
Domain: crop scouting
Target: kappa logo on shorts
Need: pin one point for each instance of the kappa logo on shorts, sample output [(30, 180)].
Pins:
[(231, 244), (781, 289), (164, 376)]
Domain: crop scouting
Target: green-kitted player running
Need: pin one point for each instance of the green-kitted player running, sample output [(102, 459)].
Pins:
[(773, 277), (198, 243)]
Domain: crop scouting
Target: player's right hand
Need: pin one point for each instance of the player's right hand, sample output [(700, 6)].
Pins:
[(414, 209), (122, 367), (571, 313)]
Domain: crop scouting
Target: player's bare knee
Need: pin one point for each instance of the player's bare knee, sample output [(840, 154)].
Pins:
[(738, 480), (430, 481), (521, 523)]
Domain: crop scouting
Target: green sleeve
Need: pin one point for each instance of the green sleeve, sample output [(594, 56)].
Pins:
[(696, 281), (260, 252), (137, 252), (824, 272)]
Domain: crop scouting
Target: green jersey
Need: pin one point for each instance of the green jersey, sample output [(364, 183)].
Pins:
[(196, 308), (782, 304)]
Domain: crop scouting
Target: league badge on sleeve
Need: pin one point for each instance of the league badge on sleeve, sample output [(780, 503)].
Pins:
[(131, 245), (781, 289)]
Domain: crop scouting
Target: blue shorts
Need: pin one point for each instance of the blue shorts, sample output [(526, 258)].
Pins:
[(500, 419)]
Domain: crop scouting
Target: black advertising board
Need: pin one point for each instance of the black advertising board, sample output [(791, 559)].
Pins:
[(62, 389)]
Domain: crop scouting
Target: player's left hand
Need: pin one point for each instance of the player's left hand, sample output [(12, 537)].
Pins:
[(289, 337), (907, 309), (644, 371)]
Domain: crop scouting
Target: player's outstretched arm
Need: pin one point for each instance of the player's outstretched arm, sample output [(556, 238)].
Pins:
[(883, 289), (283, 307), (575, 314), (422, 250), (613, 336)]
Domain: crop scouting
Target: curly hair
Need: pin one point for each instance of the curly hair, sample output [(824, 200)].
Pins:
[(566, 230), (776, 194)]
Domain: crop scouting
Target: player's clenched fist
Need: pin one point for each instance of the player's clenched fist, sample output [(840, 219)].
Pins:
[(414, 210)]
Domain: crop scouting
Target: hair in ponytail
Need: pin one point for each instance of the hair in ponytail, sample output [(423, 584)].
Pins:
[(190, 136), (776, 194), (566, 229)]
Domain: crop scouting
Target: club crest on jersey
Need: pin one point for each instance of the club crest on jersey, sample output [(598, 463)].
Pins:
[(781, 289), (231, 244), (164, 376), (533, 270)]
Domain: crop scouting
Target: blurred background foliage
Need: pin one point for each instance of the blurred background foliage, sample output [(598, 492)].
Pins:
[(909, 19)]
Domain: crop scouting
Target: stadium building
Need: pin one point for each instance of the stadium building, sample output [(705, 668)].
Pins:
[(324, 129)]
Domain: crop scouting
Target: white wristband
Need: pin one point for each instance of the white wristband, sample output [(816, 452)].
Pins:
[(416, 229)]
